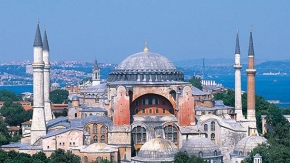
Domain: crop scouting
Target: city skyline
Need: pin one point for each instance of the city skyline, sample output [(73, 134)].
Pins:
[(112, 30)]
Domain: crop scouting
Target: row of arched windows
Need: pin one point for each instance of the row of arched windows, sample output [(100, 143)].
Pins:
[(102, 140), (212, 126), (95, 129)]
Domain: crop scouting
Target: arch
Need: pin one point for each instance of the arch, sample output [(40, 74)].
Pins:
[(103, 139), (88, 129), (86, 159), (205, 127), (215, 153), (95, 140), (95, 128), (103, 130), (99, 159), (200, 154), (171, 132), (212, 136), (158, 92)]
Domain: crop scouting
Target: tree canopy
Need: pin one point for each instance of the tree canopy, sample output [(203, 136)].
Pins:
[(196, 82), (8, 95), (59, 96), (183, 157)]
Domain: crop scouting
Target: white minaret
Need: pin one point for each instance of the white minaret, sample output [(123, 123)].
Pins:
[(96, 80), (238, 89), (46, 73), (38, 127)]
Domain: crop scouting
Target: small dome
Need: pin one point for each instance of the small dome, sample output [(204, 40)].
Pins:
[(75, 98), (201, 147), (247, 144), (156, 150), (146, 61), (55, 85)]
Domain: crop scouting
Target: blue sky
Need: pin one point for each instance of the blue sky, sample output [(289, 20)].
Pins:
[(112, 30)]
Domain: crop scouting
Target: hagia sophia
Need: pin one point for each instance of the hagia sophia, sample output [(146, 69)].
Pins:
[(143, 112)]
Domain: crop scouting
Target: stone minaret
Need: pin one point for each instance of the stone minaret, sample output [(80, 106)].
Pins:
[(47, 107), (96, 80), (38, 127), (251, 71), (238, 89)]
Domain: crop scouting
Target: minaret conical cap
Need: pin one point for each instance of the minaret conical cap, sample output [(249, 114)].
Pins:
[(45, 42), (37, 39), (251, 44), (237, 51)]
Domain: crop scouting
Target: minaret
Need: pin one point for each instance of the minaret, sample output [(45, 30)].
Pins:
[(38, 127), (46, 78), (251, 71), (96, 80), (238, 91)]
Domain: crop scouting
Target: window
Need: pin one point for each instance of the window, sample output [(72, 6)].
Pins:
[(103, 130), (143, 101), (206, 136), (88, 129), (171, 133), (143, 110), (76, 115), (200, 154), (157, 110), (150, 111), (163, 111), (139, 135), (136, 103), (136, 111), (103, 139), (95, 128), (153, 101), (205, 127), (95, 139), (47, 147), (212, 126), (99, 159), (86, 159), (146, 101), (212, 136), (215, 153)]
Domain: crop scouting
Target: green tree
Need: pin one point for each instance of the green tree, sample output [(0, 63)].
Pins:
[(4, 135), (196, 82), (194, 159), (181, 157), (60, 156), (59, 96), (40, 156), (8, 95)]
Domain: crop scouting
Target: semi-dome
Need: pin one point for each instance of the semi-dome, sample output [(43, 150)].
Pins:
[(146, 61), (157, 150), (146, 67), (247, 144), (201, 147)]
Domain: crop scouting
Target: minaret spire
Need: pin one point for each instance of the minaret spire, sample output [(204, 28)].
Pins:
[(46, 78), (238, 89), (37, 39), (96, 79), (251, 44)]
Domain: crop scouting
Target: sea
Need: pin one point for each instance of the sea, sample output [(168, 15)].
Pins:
[(271, 87)]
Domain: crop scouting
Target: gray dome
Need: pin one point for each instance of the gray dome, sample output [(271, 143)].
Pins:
[(201, 147), (146, 67), (75, 98), (247, 144), (146, 61), (156, 150)]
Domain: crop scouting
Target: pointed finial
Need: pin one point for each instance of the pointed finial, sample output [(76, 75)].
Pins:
[(237, 31), (251, 29), (37, 21), (251, 44), (145, 47), (237, 50), (37, 39)]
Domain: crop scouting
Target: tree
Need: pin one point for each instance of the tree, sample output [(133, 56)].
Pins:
[(194, 159), (4, 135), (181, 157), (60, 156), (59, 96), (8, 95), (196, 82)]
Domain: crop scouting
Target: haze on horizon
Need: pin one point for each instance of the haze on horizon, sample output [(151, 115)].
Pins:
[(110, 30)]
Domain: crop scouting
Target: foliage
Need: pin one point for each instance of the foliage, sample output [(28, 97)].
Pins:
[(14, 113), (196, 82), (4, 135), (60, 156), (194, 159), (8, 95), (59, 96), (15, 157), (183, 157), (85, 80)]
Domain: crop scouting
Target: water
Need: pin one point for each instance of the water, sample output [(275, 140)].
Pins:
[(270, 87)]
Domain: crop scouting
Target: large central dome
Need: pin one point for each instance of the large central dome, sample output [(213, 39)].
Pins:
[(146, 61), (146, 67)]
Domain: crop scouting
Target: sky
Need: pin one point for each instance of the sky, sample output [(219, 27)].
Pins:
[(111, 30)]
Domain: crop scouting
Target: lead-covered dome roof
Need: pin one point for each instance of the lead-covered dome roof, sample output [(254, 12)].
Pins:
[(201, 147), (157, 149), (146, 67), (146, 61), (247, 144)]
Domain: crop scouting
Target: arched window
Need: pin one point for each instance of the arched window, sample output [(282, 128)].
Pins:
[(139, 135), (95, 139), (212, 136), (88, 129), (157, 110), (205, 127), (99, 159), (95, 128), (103, 139), (136, 111), (86, 159), (163, 111), (215, 153), (170, 133), (150, 111), (200, 154), (206, 135), (143, 110), (91, 114), (212, 126), (103, 130)]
